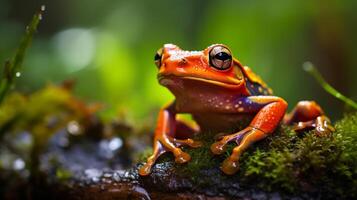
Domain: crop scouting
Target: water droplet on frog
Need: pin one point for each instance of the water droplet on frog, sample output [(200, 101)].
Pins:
[(18, 74)]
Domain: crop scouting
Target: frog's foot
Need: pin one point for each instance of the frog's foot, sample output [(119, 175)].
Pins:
[(321, 124), (244, 139), (168, 144), (308, 115), (219, 147)]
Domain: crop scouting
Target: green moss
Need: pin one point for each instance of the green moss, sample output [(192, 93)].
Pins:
[(288, 162), (142, 156), (201, 158)]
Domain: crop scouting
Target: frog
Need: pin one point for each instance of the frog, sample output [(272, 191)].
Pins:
[(219, 92)]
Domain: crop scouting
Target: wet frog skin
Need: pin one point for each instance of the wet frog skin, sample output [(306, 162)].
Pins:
[(218, 91)]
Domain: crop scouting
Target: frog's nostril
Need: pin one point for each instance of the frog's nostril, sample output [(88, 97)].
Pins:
[(183, 61)]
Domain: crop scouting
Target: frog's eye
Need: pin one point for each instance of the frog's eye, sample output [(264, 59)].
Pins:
[(220, 57), (158, 57)]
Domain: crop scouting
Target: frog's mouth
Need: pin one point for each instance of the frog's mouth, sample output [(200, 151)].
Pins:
[(168, 79)]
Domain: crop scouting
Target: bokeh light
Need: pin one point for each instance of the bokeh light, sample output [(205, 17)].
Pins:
[(108, 46)]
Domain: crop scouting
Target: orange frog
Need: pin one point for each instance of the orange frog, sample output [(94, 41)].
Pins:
[(219, 92)]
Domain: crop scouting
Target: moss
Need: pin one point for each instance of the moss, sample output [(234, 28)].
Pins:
[(287, 162), (201, 158), (143, 155), (42, 114)]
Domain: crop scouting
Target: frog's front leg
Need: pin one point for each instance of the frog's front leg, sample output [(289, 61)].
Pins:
[(270, 110), (165, 138)]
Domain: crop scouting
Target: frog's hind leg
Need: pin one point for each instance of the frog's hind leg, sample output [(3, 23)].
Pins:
[(270, 110), (308, 115)]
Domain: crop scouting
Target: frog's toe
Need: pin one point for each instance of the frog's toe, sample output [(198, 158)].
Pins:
[(182, 157), (230, 166), (321, 125), (189, 142), (173, 145), (218, 148), (322, 132), (157, 151), (195, 144), (145, 169)]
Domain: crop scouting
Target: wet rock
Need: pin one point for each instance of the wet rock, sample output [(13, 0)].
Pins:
[(90, 175)]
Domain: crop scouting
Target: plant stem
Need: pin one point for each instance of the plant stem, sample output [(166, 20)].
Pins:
[(12, 68), (310, 68)]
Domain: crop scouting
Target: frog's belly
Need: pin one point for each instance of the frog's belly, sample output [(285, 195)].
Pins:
[(227, 123)]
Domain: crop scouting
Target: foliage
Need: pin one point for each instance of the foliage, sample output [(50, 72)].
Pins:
[(42, 114), (121, 40)]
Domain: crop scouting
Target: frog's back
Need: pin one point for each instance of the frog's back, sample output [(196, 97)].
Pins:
[(254, 84)]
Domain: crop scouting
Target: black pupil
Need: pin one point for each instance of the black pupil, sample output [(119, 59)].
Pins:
[(157, 57), (222, 56)]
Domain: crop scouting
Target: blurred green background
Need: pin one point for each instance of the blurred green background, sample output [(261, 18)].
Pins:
[(108, 46)]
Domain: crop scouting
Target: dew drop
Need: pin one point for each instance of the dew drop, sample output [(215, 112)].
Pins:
[(18, 74)]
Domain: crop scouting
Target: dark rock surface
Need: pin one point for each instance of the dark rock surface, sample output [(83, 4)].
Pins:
[(101, 169), (90, 176)]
